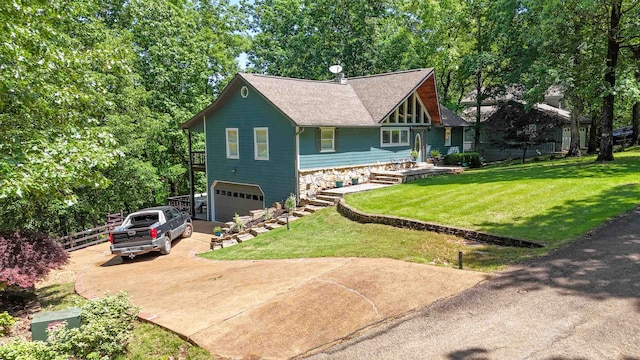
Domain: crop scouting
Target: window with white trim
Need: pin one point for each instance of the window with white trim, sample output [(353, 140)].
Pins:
[(327, 139), (410, 111), (394, 136), (232, 143), (261, 143)]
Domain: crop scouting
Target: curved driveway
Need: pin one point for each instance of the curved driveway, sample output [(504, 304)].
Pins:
[(271, 308), (581, 302)]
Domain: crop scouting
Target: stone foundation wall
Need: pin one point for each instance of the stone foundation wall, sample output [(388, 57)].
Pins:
[(313, 181), (365, 218)]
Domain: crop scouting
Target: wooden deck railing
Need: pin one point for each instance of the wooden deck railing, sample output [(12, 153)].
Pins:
[(198, 158), (97, 235), (182, 203)]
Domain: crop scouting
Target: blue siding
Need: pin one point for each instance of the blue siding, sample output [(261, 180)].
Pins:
[(275, 176), (435, 140), (355, 146)]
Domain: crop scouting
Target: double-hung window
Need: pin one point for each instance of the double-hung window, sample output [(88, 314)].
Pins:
[(261, 143), (392, 136), (327, 139), (232, 143)]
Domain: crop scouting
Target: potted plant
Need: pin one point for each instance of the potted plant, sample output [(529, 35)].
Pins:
[(414, 155), (217, 231), (354, 181), (339, 183)]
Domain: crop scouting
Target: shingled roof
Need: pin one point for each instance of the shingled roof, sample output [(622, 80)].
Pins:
[(361, 102), (449, 118)]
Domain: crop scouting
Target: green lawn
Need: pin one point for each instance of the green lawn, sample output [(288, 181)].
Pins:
[(327, 234), (551, 202)]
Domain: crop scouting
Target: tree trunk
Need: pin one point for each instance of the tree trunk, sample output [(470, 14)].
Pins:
[(476, 126), (594, 138), (613, 50), (635, 124), (635, 115), (576, 112)]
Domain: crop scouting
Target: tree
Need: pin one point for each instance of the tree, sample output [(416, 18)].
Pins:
[(482, 64), (622, 32), (298, 38), (51, 101), (515, 127), (27, 256)]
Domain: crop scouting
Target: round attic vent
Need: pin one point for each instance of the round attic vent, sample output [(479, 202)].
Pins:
[(244, 91)]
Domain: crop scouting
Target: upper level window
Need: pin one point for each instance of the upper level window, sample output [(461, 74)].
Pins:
[(410, 111), (327, 139), (394, 137), (232, 143), (261, 143)]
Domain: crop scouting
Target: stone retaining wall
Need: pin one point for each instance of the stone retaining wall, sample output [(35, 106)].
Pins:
[(365, 218), (313, 181)]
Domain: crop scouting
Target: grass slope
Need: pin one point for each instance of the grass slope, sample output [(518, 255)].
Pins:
[(327, 234), (551, 202)]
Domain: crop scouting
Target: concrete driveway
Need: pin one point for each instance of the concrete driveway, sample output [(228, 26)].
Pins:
[(580, 302), (271, 308)]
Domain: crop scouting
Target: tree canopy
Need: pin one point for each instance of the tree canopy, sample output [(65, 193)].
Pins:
[(92, 92)]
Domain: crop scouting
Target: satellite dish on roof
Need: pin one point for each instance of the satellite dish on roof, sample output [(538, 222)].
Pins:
[(335, 69)]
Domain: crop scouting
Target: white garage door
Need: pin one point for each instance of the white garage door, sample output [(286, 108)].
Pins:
[(230, 198)]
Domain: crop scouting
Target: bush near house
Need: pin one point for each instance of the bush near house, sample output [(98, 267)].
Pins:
[(471, 158)]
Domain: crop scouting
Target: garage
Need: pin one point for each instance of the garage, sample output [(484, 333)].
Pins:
[(232, 198)]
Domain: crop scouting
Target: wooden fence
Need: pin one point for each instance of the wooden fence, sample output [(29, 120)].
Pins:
[(93, 236)]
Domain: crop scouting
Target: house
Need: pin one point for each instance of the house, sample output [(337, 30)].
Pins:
[(267, 137), (498, 111)]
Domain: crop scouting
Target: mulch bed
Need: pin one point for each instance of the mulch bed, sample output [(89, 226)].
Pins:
[(21, 304)]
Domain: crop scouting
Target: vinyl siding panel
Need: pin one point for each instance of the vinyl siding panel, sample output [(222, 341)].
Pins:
[(354, 147), (276, 176)]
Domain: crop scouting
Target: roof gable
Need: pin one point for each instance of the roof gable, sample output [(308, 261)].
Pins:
[(361, 102)]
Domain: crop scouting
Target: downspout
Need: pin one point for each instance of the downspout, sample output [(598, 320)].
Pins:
[(299, 131)]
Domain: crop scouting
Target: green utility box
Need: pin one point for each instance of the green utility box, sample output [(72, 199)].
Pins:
[(41, 322)]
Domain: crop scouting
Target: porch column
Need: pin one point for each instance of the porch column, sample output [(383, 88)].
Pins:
[(192, 201)]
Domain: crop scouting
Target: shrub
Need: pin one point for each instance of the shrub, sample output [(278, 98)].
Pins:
[(104, 334), (268, 215), (238, 224), (21, 350), (105, 330), (471, 158), (27, 256), (290, 203), (6, 322)]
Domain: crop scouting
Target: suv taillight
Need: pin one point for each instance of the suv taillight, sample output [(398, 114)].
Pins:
[(154, 233), (111, 238)]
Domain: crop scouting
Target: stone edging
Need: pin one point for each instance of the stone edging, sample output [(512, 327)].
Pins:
[(362, 217)]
